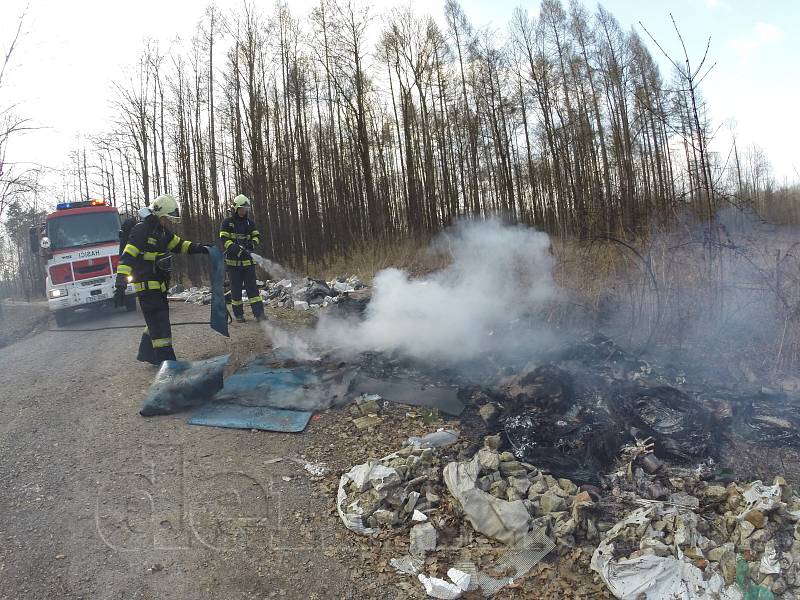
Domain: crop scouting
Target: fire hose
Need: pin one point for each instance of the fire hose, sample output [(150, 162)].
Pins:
[(139, 326)]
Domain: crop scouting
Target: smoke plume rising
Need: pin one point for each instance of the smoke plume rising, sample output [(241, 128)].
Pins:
[(484, 301)]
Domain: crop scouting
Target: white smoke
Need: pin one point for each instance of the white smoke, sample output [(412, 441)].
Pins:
[(290, 343), (484, 301), (274, 269)]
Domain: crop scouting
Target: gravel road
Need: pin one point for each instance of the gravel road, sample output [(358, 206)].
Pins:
[(99, 502)]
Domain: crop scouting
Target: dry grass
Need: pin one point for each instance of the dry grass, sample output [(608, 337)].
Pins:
[(412, 255)]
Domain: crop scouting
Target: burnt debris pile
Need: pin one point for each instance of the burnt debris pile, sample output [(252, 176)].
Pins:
[(587, 447)]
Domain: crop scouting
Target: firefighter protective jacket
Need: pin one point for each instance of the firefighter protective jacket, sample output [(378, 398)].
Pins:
[(237, 232), (148, 243)]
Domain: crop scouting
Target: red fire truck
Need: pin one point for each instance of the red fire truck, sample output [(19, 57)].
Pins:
[(80, 242)]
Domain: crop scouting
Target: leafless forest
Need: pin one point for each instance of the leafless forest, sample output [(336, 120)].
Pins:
[(353, 130)]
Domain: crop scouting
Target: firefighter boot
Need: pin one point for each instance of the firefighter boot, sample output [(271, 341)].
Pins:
[(146, 352), (165, 353)]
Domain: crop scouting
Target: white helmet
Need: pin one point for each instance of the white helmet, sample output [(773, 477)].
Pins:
[(241, 201), (166, 206)]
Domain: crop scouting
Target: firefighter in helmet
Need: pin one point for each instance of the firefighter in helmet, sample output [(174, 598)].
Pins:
[(146, 261), (240, 236)]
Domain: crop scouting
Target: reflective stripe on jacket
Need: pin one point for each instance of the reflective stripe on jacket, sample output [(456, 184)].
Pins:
[(147, 243), (236, 232)]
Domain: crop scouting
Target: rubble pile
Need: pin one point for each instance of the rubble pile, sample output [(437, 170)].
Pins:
[(651, 528), (194, 295), (707, 538), (419, 487), (399, 489), (310, 293), (506, 499)]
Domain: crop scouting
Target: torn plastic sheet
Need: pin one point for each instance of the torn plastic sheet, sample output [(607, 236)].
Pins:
[(180, 385), (219, 312), (505, 521), (305, 387), (412, 393)]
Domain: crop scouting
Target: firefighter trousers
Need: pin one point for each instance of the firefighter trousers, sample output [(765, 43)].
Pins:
[(156, 343), (245, 276)]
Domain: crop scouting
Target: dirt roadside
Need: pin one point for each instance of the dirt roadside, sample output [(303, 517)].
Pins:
[(18, 319), (99, 502)]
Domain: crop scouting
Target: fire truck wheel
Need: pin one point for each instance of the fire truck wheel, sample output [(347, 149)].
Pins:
[(130, 303), (62, 317)]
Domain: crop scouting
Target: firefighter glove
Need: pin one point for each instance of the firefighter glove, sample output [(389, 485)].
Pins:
[(119, 296)]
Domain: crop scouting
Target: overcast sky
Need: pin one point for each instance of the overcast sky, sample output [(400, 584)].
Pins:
[(72, 50)]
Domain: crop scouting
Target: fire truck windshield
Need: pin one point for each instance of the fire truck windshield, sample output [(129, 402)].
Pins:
[(72, 231)]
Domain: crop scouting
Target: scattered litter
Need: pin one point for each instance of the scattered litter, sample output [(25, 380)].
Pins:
[(315, 470)]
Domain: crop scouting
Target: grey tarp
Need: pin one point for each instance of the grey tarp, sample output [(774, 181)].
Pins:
[(180, 385), (286, 385), (219, 313)]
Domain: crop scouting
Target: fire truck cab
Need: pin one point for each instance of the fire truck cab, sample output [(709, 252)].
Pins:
[(80, 243)]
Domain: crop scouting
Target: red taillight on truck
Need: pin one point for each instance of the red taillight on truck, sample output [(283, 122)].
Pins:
[(60, 273)]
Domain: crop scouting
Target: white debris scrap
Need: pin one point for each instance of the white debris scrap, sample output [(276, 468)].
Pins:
[(439, 588), (461, 579)]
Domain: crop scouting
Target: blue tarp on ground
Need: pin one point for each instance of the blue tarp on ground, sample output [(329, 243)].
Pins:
[(270, 395), (219, 312), (264, 418)]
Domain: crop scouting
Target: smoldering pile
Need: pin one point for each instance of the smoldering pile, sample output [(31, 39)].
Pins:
[(596, 449), (701, 539)]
